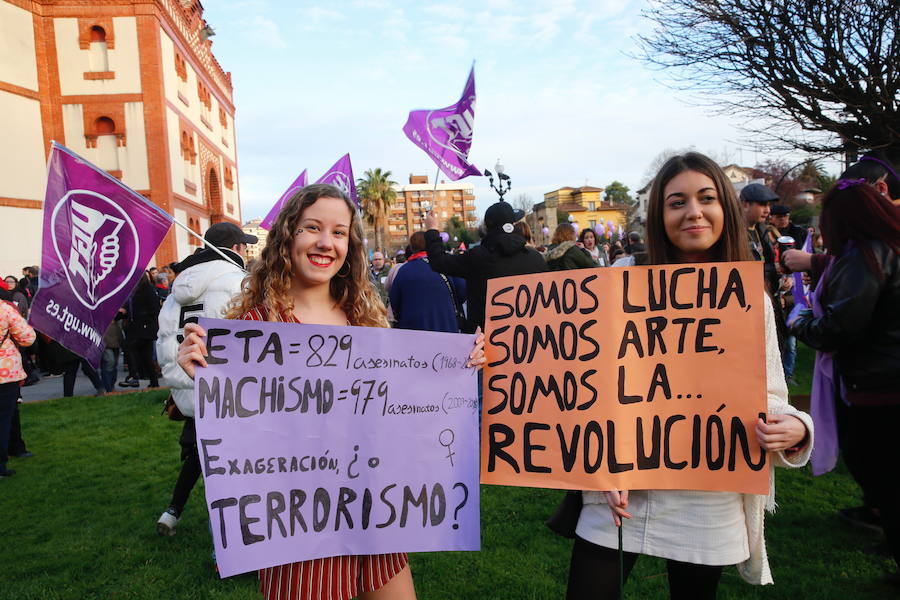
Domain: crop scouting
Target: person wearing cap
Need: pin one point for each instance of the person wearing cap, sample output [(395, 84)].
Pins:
[(780, 218), (207, 281), (756, 202), (501, 253)]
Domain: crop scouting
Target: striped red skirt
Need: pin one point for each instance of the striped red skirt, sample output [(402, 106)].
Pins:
[(334, 578)]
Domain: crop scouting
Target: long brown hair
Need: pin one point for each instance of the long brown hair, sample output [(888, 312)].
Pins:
[(733, 245), (269, 281)]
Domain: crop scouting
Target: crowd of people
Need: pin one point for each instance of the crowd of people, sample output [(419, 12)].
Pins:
[(314, 269)]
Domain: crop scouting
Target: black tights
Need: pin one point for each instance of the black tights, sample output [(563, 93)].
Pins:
[(190, 468), (594, 575)]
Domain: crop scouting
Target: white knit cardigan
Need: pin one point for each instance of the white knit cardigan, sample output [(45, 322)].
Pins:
[(756, 568)]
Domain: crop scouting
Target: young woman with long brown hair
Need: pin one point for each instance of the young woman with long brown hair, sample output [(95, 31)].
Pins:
[(693, 217), (313, 270)]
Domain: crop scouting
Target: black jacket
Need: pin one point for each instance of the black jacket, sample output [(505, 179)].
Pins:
[(861, 323), (143, 310), (499, 255), (795, 231)]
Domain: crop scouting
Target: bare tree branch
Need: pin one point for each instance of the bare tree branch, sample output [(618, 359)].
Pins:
[(820, 75)]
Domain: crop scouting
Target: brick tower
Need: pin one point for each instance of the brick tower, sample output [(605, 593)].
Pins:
[(132, 86)]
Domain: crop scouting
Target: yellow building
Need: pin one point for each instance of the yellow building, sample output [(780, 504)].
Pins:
[(252, 227), (585, 206)]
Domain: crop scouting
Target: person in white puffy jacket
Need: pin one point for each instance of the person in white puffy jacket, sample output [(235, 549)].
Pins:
[(204, 287)]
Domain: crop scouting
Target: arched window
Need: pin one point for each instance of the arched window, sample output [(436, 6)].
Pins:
[(185, 146), (107, 144), (104, 125), (188, 152), (194, 226), (99, 61), (214, 200), (180, 67)]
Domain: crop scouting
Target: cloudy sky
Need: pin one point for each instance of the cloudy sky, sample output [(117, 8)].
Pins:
[(560, 100)]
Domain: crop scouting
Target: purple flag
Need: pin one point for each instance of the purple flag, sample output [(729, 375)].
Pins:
[(340, 175), (445, 134), (99, 236), (801, 292), (298, 184)]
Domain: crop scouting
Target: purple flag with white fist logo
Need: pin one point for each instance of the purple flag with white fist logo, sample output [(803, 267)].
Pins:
[(340, 175), (298, 185), (99, 236), (446, 134)]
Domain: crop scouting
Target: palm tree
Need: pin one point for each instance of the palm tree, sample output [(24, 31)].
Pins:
[(377, 195)]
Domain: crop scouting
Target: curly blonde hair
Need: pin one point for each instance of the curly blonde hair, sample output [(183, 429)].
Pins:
[(269, 281)]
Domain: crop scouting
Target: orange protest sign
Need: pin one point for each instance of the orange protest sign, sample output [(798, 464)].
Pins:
[(635, 378)]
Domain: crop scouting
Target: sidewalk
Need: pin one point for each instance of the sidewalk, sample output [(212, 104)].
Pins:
[(49, 388)]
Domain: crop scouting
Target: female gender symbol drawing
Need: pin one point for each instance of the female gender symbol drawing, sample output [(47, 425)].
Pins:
[(446, 439)]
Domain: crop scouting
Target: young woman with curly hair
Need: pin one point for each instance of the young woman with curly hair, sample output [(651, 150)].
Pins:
[(313, 270)]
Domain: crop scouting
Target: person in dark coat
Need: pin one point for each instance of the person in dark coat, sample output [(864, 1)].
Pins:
[(423, 299), (140, 334), (564, 253), (780, 218), (71, 362), (502, 253), (855, 319), (30, 277)]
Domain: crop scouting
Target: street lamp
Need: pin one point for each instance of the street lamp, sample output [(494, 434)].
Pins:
[(502, 176)]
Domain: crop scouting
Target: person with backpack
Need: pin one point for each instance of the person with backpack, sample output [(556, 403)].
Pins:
[(206, 283)]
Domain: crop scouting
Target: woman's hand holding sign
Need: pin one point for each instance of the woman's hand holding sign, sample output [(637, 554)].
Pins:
[(192, 351), (780, 432), (476, 356)]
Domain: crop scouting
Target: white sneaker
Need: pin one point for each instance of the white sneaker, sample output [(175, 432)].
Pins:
[(166, 524)]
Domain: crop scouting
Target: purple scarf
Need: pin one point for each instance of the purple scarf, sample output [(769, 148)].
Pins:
[(825, 451)]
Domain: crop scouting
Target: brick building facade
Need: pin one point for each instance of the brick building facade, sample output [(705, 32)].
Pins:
[(130, 85), (447, 200)]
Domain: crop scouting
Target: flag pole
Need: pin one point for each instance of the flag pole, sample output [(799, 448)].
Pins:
[(206, 243), (437, 174), (433, 193), (145, 201)]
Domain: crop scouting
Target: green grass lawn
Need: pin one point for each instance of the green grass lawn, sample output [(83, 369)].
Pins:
[(79, 523)]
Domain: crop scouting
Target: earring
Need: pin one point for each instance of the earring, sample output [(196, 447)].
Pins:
[(346, 264)]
